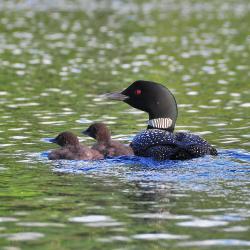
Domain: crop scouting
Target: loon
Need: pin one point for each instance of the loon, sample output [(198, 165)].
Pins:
[(105, 145), (71, 149), (159, 140)]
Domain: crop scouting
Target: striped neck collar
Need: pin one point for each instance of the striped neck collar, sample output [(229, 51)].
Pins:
[(161, 123)]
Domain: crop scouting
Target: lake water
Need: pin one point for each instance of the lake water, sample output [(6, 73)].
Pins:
[(57, 58)]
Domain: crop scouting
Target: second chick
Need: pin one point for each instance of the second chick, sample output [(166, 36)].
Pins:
[(105, 145)]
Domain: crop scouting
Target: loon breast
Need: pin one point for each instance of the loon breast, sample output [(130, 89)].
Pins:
[(163, 145)]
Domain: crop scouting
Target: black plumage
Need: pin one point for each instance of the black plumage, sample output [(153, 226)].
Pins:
[(162, 145)]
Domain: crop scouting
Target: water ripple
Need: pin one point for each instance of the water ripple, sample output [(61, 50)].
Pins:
[(215, 242), (96, 221), (159, 236), (24, 236)]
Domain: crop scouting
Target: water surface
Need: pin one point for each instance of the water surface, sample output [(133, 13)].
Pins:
[(57, 58)]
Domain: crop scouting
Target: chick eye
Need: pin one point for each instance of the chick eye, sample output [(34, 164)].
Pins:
[(137, 92)]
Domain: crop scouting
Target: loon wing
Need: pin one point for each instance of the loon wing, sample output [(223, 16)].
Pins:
[(194, 145), (161, 153)]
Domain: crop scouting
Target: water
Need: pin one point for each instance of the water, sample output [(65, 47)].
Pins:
[(57, 57)]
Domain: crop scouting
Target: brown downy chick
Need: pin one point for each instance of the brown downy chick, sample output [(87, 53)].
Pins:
[(71, 149), (105, 145)]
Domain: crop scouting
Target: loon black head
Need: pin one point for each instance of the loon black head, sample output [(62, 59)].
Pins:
[(153, 98)]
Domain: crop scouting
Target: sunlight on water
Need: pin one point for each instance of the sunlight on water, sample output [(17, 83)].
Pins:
[(58, 58)]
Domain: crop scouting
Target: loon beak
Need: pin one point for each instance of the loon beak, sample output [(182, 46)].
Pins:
[(53, 140), (85, 132), (116, 96)]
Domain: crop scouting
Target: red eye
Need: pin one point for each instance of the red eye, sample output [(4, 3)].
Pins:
[(137, 92)]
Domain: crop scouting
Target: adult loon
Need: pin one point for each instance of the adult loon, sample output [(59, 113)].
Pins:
[(160, 141)]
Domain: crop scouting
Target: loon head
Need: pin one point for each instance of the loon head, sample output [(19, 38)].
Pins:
[(65, 139), (98, 131), (153, 98)]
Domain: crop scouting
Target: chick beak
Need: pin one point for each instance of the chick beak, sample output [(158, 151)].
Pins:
[(53, 140), (85, 132)]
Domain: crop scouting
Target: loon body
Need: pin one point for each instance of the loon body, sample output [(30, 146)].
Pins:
[(160, 141), (162, 145)]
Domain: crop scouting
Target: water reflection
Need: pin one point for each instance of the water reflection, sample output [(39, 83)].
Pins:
[(96, 221), (220, 242), (25, 236)]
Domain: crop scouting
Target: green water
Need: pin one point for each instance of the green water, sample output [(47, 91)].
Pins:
[(56, 58)]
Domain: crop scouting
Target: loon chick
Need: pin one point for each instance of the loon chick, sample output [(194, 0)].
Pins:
[(159, 140), (71, 149), (105, 145)]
